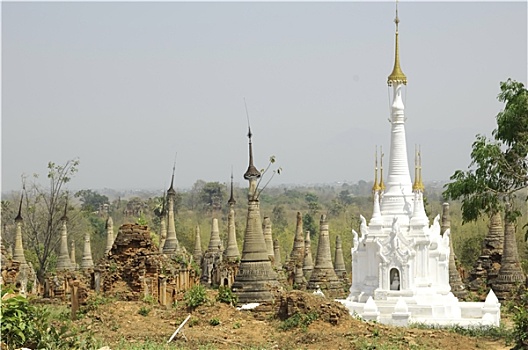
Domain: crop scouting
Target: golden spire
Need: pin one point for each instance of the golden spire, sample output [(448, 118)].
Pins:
[(420, 183), (376, 187), (397, 75), (416, 176), (381, 183)]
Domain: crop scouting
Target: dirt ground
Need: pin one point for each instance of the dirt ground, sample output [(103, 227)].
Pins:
[(119, 322)]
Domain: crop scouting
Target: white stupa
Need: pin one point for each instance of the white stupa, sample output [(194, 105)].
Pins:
[(400, 263)]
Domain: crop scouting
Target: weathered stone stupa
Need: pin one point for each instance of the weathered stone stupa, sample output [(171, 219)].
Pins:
[(171, 246), (457, 286), (255, 278), (308, 260), (323, 275), (510, 274), (197, 252), (18, 253), (400, 263), (231, 253), (87, 261), (339, 262), (64, 260), (277, 255), (297, 253), (213, 255), (268, 238), (109, 234), (488, 264), (73, 259)]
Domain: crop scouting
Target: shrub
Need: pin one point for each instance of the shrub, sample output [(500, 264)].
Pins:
[(195, 296), (214, 321), (226, 295), (25, 325), (144, 311), (519, 308), (299, 320)]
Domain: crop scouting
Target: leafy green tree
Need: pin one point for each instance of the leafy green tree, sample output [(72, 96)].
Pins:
[(44, 208), (91, 201), (309, 224), (212, 196), (499, 167)]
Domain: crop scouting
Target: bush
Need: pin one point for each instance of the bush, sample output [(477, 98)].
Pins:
[(25, 325), (226, 295), (299, 320), (214, 321), (519, 308), (144, 311), (195, 296)]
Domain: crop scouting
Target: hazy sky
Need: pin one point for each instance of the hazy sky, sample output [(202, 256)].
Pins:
[(124, 86)]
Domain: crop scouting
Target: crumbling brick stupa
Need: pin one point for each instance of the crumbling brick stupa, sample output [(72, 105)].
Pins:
[(134, 268)]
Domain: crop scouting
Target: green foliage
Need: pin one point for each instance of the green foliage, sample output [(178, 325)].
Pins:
[(149, 299), (214, 321), (91, 201), (144, 311), (309, 224), (237, 325), (195, 296), (499, 167), (226, 295), (298, 320), (519, 309), (25, 325), (212, 196)]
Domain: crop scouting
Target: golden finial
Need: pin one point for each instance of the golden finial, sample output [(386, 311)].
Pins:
[(416, 176), (376, 187), (397, 76), (381, 184), (420, 182)]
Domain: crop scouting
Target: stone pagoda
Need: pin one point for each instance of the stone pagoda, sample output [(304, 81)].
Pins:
[(171, 246), (197, 252), (308, 260), (64, 260), (256, 279), (510, 274), (231, 253), (212, 256), (339, 261), (109, 234), (400, 263), (18, 253), (323, 275), (87, 261)]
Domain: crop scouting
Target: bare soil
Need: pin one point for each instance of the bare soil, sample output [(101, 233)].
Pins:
[(119, 322)]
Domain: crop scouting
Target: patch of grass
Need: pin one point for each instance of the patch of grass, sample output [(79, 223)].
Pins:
[(298, 320), (490, 332), (149, 299), (214, 321), (237, 325), (144, 311)]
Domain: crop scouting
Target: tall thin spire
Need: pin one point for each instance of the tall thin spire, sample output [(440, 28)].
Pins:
[(231, 200), (171, 245), (397, 76), (376, 187), (18, 254), (416, 179), (421, 186), (381, 183)]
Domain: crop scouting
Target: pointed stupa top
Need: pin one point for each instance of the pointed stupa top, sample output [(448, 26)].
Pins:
[(297, 253), (171, 191), (87, 261), (339, 262), (63, 261), (214, 241), (19, 215), (231, 200), (397, 76), (268, 238), (308, 259), (251, 172), (376, 187), (72, 254), (277, 254), (381, 183), (416, 176), (197, 253), (109, 234), (231, 252)]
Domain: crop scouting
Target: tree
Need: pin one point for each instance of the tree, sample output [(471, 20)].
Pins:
[(499, 167), (91, 200), (212, 196), (44, 208)]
